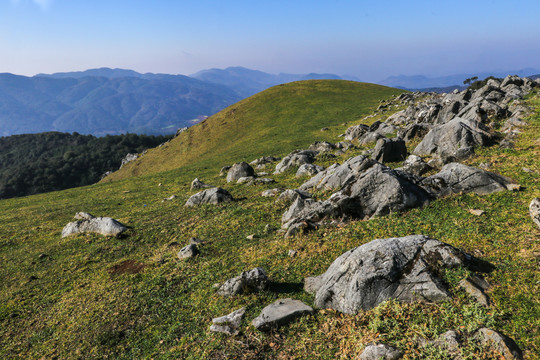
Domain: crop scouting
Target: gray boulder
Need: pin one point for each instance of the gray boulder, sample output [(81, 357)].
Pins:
[(503, 344), (458, 178), (404, 269), (445, 140), (210, 196), (534, 211), (87, 223), (264, 160), (389, 150), (308, 169), (413, 131), (228, 324), (249, 281), (295, 159), (380, 352), (279, 313), (272, 192), (291, 195), (239, 170)]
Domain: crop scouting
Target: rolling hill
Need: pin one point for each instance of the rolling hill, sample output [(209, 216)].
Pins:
[(131, 297), (273, 122)]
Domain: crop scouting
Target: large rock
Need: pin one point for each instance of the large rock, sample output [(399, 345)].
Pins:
[(87, 223), (375, 191), (128, 158), (458, 178), (210, 196), (380, 352), (279, 313), (404, 269), (445, 140), (239, 170), (534, 210), (389, 150), (249, 281), (415, 165), (295, 159)]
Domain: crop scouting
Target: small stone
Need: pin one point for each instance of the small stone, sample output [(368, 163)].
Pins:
[(160, 184), (229, 324), (279, 313), (292, 253), (271, 192), (475, 291), (325, 129), (534, 211), (269, 228), (513, 187), (251, 237), (527, 170), (188, 252), (506, 346), (196, 241), (172, 197), (477, 212), (43, 256), (380, 352), (249, 281)]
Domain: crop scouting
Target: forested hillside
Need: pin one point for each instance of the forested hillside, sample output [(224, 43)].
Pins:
[(36, 163)]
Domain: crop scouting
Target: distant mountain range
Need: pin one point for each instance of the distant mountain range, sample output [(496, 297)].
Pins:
[(113, 101), (424, 82)]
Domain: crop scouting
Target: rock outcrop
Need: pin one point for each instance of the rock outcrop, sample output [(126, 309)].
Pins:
[(210, 196), (295, 159), (87, 223), (404, 269)]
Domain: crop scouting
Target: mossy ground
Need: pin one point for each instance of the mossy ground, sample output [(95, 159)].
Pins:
[(83, 300)]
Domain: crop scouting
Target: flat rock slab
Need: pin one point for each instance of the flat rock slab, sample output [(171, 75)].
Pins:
[(228, 324), (87, 223), (279, 313), (458, 178), (210, 196), (404, 269)]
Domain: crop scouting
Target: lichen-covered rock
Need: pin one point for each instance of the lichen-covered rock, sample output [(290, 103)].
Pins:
[(446, 139), (279, 313), (404, 269), (210, 196), (458, 178), (87, 223)]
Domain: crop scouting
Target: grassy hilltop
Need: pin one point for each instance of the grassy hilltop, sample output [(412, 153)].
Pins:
[(89, 296), (273, 122)]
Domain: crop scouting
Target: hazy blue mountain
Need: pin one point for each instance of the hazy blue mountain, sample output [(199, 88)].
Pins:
[(423, 82), (112, 104), (248, 82)]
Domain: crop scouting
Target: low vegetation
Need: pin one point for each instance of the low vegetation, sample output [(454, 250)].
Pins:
[(90, 296)]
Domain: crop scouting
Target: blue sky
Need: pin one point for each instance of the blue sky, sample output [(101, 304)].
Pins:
[(367, 39)]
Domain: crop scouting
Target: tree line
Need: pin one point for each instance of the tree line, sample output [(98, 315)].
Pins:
[(37, 163)]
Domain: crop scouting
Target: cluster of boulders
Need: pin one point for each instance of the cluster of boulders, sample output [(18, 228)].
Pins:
[(446, 128)]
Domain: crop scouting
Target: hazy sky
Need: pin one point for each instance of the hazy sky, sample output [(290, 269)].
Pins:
[(367, 39)]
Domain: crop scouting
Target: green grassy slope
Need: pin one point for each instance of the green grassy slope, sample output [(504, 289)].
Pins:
[(90, 296), (273, 122)]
